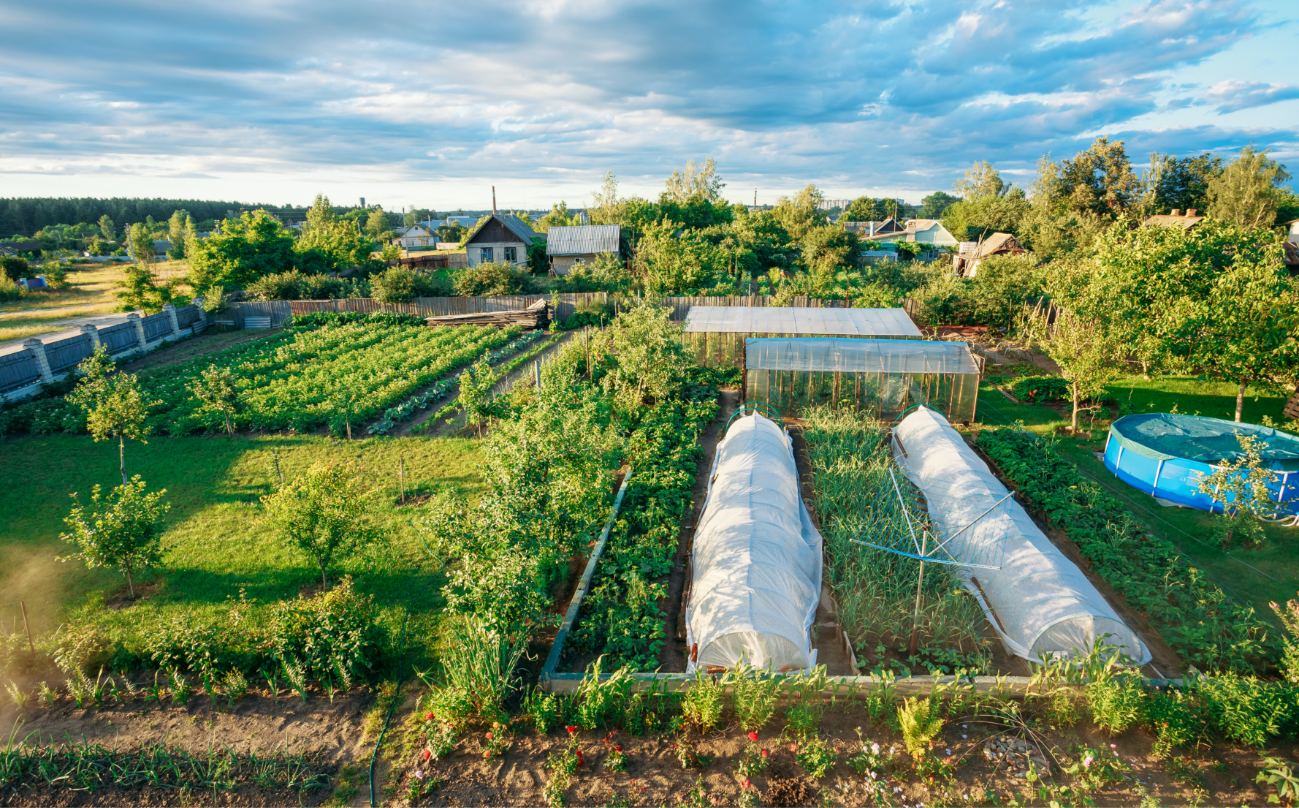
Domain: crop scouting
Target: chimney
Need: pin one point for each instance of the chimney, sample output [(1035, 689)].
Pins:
[(1176, 212), (1190, 211), (493, 200)]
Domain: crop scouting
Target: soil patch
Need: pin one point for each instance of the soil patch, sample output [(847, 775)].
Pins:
[(194, 347)]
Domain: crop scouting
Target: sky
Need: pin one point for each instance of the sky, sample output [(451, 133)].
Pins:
[(429, 105)]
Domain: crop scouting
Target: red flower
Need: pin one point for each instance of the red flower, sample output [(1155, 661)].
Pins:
[(765, 753), (747, 784), (427, 754), (618, 748), (428, 716), (753, 736), (793, 747), (571, 729), (489, 736)]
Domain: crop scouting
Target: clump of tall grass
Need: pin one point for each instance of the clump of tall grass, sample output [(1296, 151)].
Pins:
[(876, 590)]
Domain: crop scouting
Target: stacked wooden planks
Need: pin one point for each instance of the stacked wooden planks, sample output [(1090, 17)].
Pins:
[(534, 316)]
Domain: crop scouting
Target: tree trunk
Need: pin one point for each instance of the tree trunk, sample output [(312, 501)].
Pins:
[(1240, 401), (130, 582), (1075, 408), (230, 429), (121, 456), (324, 582)]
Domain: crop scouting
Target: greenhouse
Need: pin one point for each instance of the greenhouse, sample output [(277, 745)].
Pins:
[(1167, 454), (755, 565), (1038, 600), (716, 334), (883, 378)]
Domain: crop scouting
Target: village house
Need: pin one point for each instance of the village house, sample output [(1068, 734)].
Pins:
[(966, 262), (1175, 219), (503, 238), (567, 246), (421, 234)]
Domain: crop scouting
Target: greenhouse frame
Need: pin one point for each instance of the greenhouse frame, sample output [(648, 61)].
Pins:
[(1038, 601), (883, 378), (716, 334)]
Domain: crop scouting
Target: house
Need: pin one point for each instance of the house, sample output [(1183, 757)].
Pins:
[(463, 221), (566, 246), (930, 231), (967, 263), (160, 248), (871, 229), (502, 238), (417, 235), (16, 248), (1175, 218)]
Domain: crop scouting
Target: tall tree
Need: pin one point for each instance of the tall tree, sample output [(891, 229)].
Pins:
[(1246, 192), (339, 244), (1179, 183), (120, 530), (1099, 180), (980, 181), (142, 249), (801, 213), (107, 227), (695, 179), (934, 205), (176, 233), (247, 248), (606, 208), (112, 402), (1088, 355)]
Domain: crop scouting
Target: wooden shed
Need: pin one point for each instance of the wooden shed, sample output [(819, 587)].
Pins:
[(502, 239)]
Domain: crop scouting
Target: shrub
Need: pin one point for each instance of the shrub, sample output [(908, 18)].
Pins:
[(329, 634), (608, 273), (920, 723), (754, 694), (1041, 388), (1244, 709), (14, 268), (492, 279), (703, 704), (402, 285), (10, 290), (1115, 702)]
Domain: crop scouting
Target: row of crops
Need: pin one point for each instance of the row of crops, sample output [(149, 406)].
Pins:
[(1194, 616), (325, 370), (875, 591)]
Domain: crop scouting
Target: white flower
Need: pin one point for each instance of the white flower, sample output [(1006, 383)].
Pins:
[(875, 749)]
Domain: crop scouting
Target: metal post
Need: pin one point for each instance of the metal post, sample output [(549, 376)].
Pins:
[(536, 366)]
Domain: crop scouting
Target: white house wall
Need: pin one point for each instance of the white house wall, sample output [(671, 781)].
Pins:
[(498, 252)]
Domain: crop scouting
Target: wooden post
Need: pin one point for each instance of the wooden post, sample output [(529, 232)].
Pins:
[(275, 453), (401, 475), (28, 626)]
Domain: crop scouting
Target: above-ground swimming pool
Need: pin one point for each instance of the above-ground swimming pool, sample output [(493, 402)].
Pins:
[(1167, 454)]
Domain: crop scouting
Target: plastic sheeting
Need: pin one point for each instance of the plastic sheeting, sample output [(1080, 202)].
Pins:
[(1040, 602), (893, 323), (1169, 436), (756, 560)]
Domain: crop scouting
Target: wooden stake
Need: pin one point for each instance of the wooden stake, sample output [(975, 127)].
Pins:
[(28, 626), (401, 474), (278, 471)]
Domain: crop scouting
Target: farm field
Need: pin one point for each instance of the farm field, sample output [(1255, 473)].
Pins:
[(1256, 577)]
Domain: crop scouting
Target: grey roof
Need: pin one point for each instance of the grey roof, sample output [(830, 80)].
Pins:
[(801, 320), (860, 355), (512, 223), (583, 240)]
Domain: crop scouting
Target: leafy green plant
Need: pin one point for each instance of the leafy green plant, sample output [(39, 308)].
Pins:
[(1115, 701), (1245, 709), (871, 760), (543, 709), (1277, 772), (1096, 769), (754, 694), (690, 757), (920, 722), (704, 702), (599, 700), (323, 514), (120, 530), (816, 757), (181, 689), (753, 761), (1177, 719)]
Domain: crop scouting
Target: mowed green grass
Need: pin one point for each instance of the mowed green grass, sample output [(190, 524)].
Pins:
[(217, 544), (1255, 576)]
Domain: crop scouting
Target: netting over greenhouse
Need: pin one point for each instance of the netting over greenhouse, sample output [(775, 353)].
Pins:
[(1168, 454), (1038, 600), (880, 377), (716, 334), (756, 560)]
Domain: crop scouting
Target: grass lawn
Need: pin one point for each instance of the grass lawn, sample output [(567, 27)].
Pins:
[(89, 292), (1254, 576), (217, 546)]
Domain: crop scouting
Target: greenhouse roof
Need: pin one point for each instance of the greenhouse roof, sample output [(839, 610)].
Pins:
[(801, 320), (859, 355), (1165, 436)]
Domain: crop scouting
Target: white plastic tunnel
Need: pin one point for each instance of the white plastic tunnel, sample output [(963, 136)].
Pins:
[(1039, 601), (756, 561)]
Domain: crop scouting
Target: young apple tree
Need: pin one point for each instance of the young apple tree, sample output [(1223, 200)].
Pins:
[(113, 403), (120, 530)]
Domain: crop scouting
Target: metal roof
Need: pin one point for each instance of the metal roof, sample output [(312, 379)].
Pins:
[(583, 240), (859, 355), (800, 320), (512, 223)]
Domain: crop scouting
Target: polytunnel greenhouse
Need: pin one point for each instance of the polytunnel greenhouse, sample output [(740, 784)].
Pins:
[(882, 378), (756, 560), (1167, 454), (716, 334), (1038, 600)]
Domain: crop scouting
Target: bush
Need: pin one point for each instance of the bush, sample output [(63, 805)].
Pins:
[(1042, 388), (485, 280), (608, 273), (316, 319), (328, 635), (14, 268), (402, 285), (11, 291), (297, 285), (56, 274), (1246, 710)]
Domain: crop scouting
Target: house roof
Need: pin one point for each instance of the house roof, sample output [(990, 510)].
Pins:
[(889, 225), (512, 223), (583, 239), (800, 320), (1174, 219), (998, 242), (15, 247)]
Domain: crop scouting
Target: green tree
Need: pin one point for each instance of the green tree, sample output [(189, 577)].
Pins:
[(121, 530), (376, 224), (139, 289), (338, 243), (801, 213), (1180, 183), (650, 359), (981, 181), (866, 209), (326, 514), (1099, 180), (112, 402), (558, 216), (700, 179), (1088, 355), (1246, 192), (671, 262), (107, 228), (605, 207), (476, 400), (1241, 485), (492, 278), (217, 394), (142, 249), (934, 205), (176, 233), (247, 248)]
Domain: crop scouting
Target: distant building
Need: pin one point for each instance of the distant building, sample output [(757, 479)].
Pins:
[(463, 221), (967, 263), (566, 246), (871, 229), (160, 248), (502, 238), (1175, 219), (417, 235), (827, 204), (930, 231), (17, 248)]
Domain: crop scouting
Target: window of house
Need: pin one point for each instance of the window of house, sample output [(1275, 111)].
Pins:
[(511, 254), (579, 260), (485, 254)]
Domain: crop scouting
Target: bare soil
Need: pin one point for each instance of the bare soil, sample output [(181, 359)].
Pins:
[(202, 345), (1220, 775)]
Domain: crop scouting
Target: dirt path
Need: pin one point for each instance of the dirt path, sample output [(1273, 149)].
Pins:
[(672, 657), (456, 422)]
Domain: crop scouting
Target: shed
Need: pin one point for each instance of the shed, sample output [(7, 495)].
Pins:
[(502, 238), (755, 563), (881, 377), (716, 334), (967, 264), (566, 246)]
